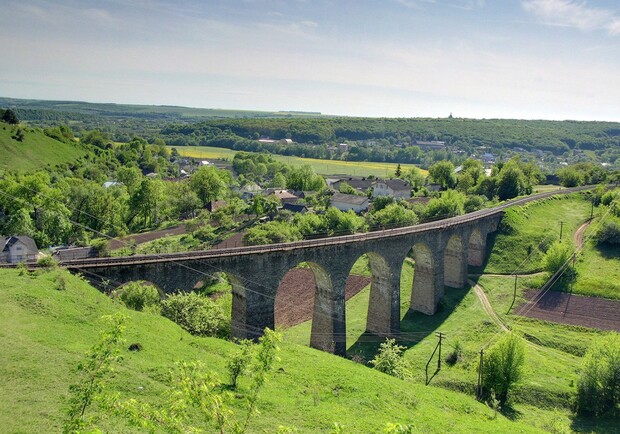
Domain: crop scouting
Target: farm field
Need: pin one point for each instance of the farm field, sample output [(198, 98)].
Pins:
[(322, 167)]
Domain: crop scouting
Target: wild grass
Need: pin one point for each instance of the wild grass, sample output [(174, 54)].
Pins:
[(44, 333), (36, 150)]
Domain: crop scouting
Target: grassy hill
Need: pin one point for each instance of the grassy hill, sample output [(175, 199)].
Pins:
[(45, 331), (35, 151)]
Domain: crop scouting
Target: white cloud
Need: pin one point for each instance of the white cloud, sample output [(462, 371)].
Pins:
[(569, 13)]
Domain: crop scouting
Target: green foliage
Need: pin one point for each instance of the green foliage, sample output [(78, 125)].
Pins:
[(503, 366), (97, 364), (271, 233), (197, 314), (473, 203), (442, 173), (346, 188), (10, 117), (343, 222), (556, 256), (598, 388), (239, 362), (451, 203), (390, 359), (608, 233), (304, 178), (209, 183), (137, 295), (392, 215)]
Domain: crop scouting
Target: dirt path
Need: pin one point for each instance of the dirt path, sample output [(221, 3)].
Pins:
[(487, 306), (536, 273), (578, 236)]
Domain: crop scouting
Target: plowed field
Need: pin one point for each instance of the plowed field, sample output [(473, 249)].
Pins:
[(573, 309), (295, 298)]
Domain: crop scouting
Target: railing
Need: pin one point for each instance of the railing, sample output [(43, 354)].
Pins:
[(320, 242)]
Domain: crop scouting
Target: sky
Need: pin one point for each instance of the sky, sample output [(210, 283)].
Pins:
[(524, 59)]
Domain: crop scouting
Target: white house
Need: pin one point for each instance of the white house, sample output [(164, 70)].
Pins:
[(345, 202), (396, 188), (18, 248)]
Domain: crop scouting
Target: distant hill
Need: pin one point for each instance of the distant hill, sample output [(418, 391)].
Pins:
[(35, 150), (77, 111)]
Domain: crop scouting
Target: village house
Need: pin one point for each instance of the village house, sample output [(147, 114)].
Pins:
[(18, 248), (345, 202), (396, 188)]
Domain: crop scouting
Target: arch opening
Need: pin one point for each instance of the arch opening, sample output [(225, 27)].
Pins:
[(304, 306), (420, 277)]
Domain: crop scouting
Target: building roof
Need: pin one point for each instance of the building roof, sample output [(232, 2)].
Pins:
[(295, 207), (359, 184), (7, 242), (351, 199), (283, 194), (396, 184)]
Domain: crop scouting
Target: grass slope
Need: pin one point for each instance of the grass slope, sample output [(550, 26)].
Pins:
[(37, 149), (44, 332), (322, 167), (526, 231)]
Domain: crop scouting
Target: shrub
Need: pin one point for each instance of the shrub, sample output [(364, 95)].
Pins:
[(390, 359), (609, 233), (503, 367), (239, 363), (598, 388), (137, 295), (197, 314)]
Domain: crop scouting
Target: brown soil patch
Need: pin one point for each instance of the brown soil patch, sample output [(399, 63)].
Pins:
[(295, 297), (578, 310)]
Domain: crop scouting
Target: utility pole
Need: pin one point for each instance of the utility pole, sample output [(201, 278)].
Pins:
[(592, 209), (561, 227), (440, 335), (479, 391), (514, 294)]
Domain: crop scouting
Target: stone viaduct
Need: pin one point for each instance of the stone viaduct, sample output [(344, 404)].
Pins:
[(441, 250)]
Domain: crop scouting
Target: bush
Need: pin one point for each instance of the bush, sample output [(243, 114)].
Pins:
[(197, 314), (137, 295), (598, 388), (390, 359), (609, 233), (503, 367)]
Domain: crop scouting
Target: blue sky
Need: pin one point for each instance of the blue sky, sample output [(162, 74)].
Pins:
[(532, 59)]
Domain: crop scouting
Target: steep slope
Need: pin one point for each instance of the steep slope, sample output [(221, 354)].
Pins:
[(35, 151), (44, 331)]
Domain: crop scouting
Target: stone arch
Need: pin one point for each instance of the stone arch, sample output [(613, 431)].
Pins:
[(321, 301), (427, 290), (476, 248), (455, 263), (239, 328)]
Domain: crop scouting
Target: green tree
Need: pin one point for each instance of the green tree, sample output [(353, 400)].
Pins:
[(557, 257), (137, 295), (390, 359), (343, 222), (10, 117), (398, 171), (208, 183), (197, 314), (570, 177), (303, 178), (511, 182), (442, 173), (503, 366), (451, 203), (415, 178), (346, 188), (608, 233), (391, 216), (598, 387), (92, 371), (239, 362)]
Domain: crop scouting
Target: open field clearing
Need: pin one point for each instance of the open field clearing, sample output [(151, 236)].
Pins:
[(322, 167)]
